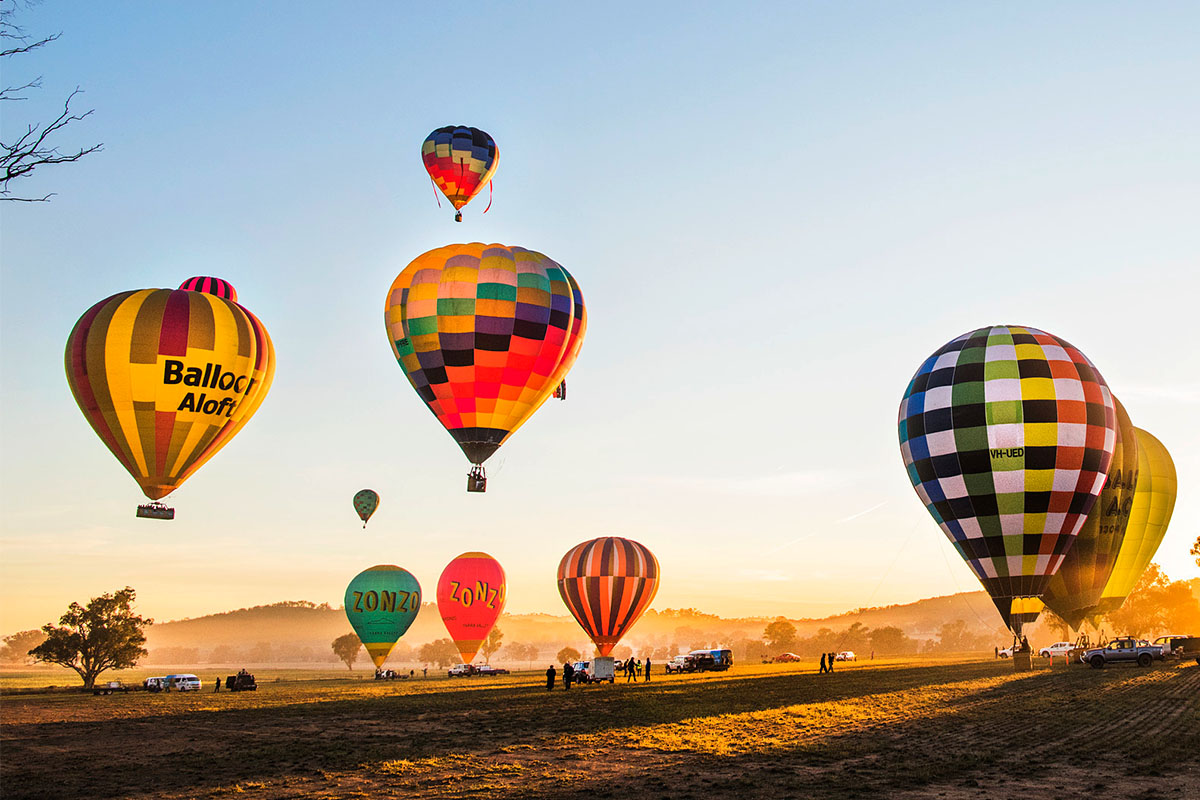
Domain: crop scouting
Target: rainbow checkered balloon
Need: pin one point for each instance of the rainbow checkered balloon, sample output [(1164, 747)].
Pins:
[(1007, 433)]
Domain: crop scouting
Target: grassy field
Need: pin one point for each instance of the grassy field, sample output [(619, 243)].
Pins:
[(952, 729)]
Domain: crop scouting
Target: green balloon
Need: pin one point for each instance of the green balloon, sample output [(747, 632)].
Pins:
[(365, 503), (381, 604)]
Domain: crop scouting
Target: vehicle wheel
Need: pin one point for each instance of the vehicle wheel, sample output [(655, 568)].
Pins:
[(1097, 662), (1004, 655), (1044, 654), (1145, 660)]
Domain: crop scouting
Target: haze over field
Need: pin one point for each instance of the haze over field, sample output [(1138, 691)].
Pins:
[(774, 215)]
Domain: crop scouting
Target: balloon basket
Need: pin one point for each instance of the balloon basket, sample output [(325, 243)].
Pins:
[(458, 217), (477, 480), (155, 511), (1023, 661)]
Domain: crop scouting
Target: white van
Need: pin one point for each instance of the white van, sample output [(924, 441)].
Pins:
[(183, 683)]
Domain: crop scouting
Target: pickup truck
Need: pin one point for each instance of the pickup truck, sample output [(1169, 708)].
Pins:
[(109, 688), (1138, 651), (1179, 645)]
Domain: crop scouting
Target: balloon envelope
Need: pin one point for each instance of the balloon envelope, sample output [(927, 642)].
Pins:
[(365, 503), (1075, 589), (381, 604), (1153, 502), (1007, 434), (460, 160), (167, 377), (606, 584), (470, 598), (484, 333)]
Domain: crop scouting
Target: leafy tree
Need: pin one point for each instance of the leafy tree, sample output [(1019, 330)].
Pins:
[(780, 634), (516, 651), (347, 647), (34, 148), (567, 654), (1156, 604), (222, 654), (105, 635), (17, 646), (1055, 623), (441, 652), (491, 644), (891, 640), (956, 637)]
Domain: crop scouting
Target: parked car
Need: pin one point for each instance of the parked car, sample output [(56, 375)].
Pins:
[(109, 688), (681, 664), (183, 682), (1005, 652), (1178, 644), (488, 669), (846, 655), (1125, 648), (784, 658), (242, 682), (712, 660), (461, 670), (158, 684), (1057, 649)]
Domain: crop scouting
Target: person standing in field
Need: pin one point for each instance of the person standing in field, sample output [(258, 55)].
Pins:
[(831, 662), (568, 674), (647, 669), (217, 684), (629, 670), (823, 668), (550, 678)]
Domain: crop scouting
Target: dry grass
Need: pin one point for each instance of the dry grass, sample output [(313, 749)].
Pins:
[(918, 729)]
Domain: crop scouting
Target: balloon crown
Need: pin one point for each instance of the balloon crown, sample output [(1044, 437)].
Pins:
[(209, 285)]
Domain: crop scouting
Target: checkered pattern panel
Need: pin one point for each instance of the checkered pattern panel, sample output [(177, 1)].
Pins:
[(482, 332), (1007, 433), (460, 161)]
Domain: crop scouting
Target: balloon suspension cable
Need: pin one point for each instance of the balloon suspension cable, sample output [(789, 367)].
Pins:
[(489, 205), (433, 183)]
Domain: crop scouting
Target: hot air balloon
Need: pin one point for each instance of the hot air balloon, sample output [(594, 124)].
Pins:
[(381, 604), (365, 503), (484, 333), (167, 377), (1153, 502), (460, 161), (1007, 433), (1075, 589), (470, 598), (607, 583)]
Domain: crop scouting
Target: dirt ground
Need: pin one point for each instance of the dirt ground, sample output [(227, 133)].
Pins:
[(897, 730)]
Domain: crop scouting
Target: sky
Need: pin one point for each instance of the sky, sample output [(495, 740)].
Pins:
[(775, 212)]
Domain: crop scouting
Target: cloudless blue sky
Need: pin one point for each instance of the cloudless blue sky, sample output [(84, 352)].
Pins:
[(775, 212)]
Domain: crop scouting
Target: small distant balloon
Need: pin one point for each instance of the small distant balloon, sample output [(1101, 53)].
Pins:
[(460, 162), (470, 598), (381, 604), (365, 503), (606, 584)]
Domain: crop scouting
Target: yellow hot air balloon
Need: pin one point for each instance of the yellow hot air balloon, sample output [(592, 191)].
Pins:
[(167, 377), (1153, 502), (1075, 589)]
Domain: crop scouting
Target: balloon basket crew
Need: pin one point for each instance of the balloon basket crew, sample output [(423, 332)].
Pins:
[(477, 479), (458, 216), (155, 510)]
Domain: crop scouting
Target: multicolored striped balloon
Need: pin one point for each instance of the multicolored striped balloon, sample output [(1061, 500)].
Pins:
[(461, 161), (1153, 502), (1075, 589), (1007, 434), (606, 584), (484, 333), (167, 377), (381, 604)]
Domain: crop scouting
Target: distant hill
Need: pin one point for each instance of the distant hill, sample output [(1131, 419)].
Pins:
[(301, 631)]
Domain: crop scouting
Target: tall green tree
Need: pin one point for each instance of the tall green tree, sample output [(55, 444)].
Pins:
[(1156, 605), (491, 644), (440, 651), (104, 635), (346, 647), (568, 654), (780, 634)]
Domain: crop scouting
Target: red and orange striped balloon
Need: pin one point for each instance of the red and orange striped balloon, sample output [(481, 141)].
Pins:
[(167, 377), (606, 584)]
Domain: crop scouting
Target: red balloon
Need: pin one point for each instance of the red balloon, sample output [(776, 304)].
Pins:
[(470, 598)]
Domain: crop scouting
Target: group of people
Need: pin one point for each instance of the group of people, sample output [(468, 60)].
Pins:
[(631, 667), (827, 660)]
